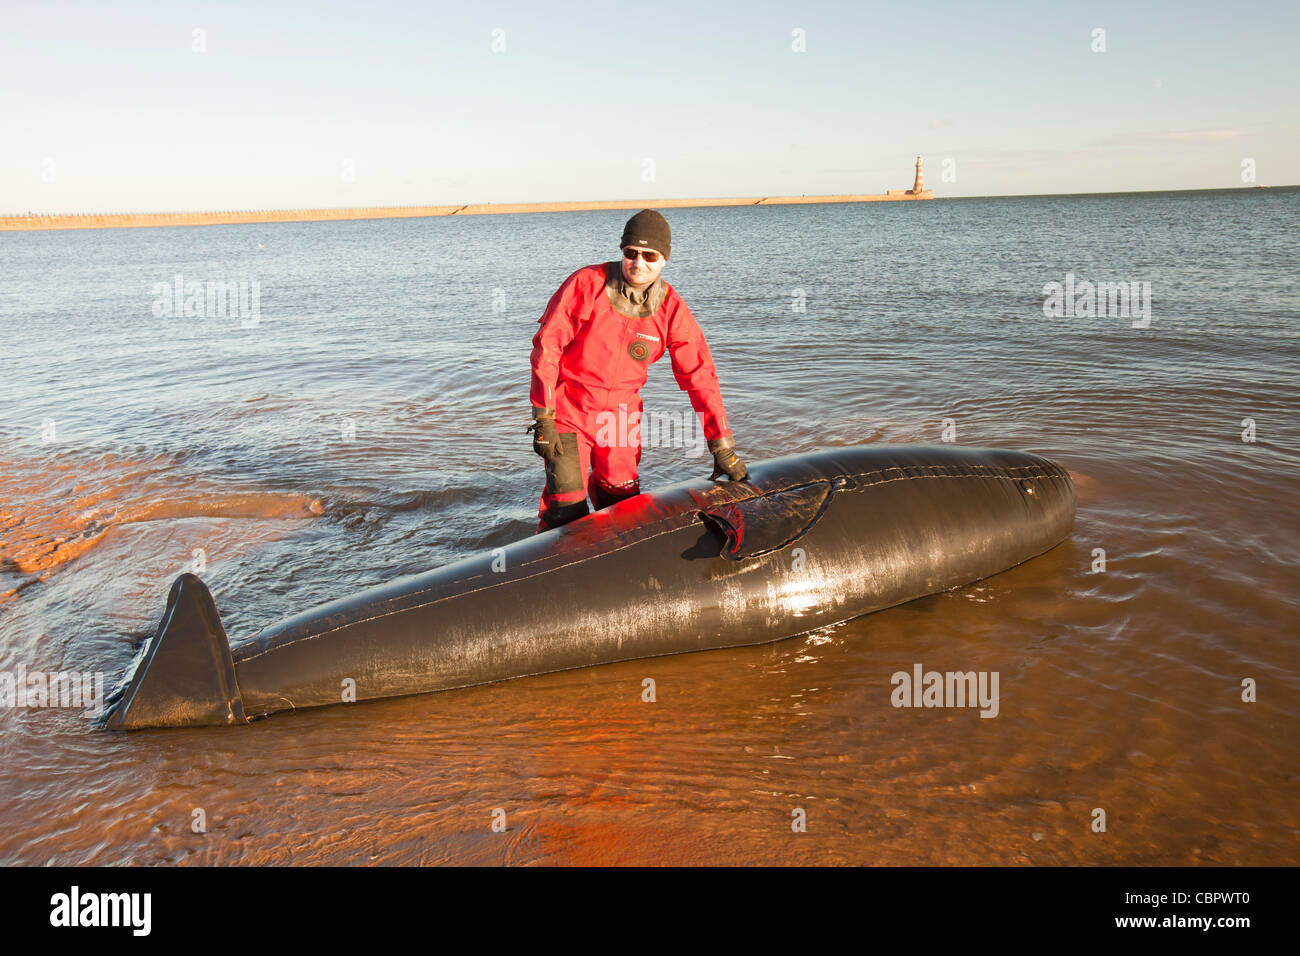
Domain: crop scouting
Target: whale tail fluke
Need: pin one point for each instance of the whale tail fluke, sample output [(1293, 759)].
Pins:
[(186, 676)]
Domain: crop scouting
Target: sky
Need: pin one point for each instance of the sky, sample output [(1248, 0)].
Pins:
[(164, 106)]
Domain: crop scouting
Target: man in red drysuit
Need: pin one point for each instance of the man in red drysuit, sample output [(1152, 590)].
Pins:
[(599, 334)]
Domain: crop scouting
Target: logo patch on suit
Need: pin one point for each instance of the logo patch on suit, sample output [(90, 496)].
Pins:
[(639, 351)]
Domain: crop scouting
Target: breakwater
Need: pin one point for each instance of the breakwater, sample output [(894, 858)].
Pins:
[(121, 220)]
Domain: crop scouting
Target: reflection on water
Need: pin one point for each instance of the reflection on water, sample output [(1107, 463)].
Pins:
[(371, 425)]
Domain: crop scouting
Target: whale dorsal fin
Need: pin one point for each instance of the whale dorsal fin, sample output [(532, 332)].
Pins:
[(187, 675), (766, 523)]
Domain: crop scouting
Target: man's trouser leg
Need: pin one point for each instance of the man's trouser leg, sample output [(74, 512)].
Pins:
[(565, 496), (614, 462)]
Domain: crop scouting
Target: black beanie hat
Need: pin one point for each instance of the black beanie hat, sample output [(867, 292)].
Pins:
[(649, 230)]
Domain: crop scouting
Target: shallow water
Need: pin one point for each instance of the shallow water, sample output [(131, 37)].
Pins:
[(371, 424)]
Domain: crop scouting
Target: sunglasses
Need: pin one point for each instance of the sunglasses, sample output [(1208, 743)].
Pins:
[(648, 255)]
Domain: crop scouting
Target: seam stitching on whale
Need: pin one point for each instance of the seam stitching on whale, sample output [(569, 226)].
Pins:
[(1044, 471)]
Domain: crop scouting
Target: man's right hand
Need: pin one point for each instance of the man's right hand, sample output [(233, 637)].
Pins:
[(546, 437)]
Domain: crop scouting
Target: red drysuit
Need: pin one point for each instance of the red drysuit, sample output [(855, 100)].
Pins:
[(589, 358)]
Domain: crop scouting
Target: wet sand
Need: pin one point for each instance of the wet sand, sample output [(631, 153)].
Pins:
[(53, 517)]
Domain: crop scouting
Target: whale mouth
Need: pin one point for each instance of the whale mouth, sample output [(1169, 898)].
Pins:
[(766, 523)]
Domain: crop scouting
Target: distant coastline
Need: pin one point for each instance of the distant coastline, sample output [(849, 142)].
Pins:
[(39, 221), (130, 220), (142, 219)]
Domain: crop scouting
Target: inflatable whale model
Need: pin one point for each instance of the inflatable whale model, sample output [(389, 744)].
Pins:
[(807, 541)]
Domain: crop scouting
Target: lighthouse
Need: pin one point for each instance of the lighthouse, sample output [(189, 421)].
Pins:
[(918, 190)]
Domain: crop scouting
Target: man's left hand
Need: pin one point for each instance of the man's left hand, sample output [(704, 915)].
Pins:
[(726, 461)]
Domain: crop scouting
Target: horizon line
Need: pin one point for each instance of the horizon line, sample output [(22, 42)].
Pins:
[(600, 205)]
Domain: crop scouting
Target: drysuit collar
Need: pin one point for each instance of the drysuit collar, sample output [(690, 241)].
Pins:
[(629, 299)]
